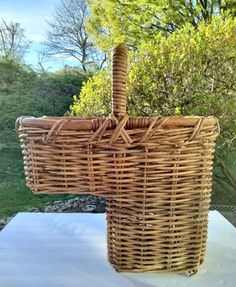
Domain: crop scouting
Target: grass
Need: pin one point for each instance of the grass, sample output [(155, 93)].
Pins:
[(15, 196)]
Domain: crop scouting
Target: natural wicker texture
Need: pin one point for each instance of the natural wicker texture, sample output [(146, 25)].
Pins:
[(159, 220), (155, 173), (119, 71)]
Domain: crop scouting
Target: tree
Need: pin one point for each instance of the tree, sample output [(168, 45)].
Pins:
[(13, 44), (67, 35), (117, 21)]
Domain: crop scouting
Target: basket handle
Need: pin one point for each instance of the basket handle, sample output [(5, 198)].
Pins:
[(119, 75)]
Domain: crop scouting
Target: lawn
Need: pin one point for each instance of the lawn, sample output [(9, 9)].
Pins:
[(15, 196)]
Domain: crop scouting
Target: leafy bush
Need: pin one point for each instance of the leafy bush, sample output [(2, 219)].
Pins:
[(191, 72), (23, 92), (64, 83), (94, 98), (15, 76), (32, 105)]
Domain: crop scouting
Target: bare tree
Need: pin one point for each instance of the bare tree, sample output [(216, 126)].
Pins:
[(41, 59), (67, 35), (13, 44)]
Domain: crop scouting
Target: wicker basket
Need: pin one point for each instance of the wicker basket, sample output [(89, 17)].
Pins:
[(155, 173)]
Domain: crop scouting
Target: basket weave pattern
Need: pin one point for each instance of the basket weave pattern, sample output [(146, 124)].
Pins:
[(155, 173)]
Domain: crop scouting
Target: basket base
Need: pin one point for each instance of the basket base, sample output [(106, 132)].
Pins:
[(144, 241), (139, 269)]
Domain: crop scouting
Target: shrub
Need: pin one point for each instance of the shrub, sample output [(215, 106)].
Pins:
[(15, 76), (94, 98), (23, 92), (64, 83)]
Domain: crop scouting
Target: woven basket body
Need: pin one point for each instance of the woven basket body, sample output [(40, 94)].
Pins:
[(155, 173)]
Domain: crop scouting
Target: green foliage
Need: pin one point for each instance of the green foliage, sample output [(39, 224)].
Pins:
[(117, 21), (225, 166), (15, 76), (66, 82), (94, 99), (16, 84), (224, 175), (23, 92), (191, 72)]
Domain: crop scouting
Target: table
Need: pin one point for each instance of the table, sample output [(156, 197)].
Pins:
[(69, 250)]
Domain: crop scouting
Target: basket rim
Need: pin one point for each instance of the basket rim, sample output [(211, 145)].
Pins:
[(85, 124)]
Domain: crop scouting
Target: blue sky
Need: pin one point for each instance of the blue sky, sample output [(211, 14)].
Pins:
[(33, 16)]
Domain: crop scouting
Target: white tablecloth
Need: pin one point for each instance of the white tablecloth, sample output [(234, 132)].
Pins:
[(69, 250)]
